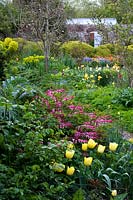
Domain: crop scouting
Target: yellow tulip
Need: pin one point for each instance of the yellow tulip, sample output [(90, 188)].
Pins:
[(70, 171), (84, 146), (101, 148), (130, 140), (91, 144), (69, 153), (113, 146), (114, 193), (88, 161), (86, 76)]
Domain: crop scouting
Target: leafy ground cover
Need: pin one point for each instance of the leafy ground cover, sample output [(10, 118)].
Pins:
[(61, 132)]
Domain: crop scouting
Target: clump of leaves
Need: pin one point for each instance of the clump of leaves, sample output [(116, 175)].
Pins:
[(124, 97)]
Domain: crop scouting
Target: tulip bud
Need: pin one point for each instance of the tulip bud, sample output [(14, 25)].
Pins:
[(86, 76), (113, 146), (69, 153), (91, 144), (70, 171), (70, 146), (88, 161), (114, 193), (58, 167), (131, 140), (101, 148), (84, 146)]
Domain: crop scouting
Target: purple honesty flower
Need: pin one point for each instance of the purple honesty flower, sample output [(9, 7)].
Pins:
[(86, 126), (103, 120), (77, 108), (65, 124), (68, 98), (82, 137)]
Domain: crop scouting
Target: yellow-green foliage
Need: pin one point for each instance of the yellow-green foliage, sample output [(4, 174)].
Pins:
[(130, 48), (31, 48), (21, 43), (27, 48), (103, 51), (77, 49), (33, 59), (1, 46), (8, 48), (111, 47), (55, 49), (8, 45), (7, 41)]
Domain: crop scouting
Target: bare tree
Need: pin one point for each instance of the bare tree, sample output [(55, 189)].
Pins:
[(45, 20)]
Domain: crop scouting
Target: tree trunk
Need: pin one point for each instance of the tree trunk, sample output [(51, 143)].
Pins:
[(46, 45), (46, 56)]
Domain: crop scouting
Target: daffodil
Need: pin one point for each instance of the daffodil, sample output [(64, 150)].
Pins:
[(113, 146), (91, 76), (88, 161), (91, 144), (70, 171), (114, 193), (109, 106), (82, 66), (84, 146), (70, 153), (99, 78), (107, 66), (113, 83), (116, 67), (93, 81), (101, 148)]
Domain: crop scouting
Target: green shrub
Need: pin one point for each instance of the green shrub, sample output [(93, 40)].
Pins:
[(77, 49), (103, 51), (105, 76), (21, 43), (31, 48), (55, 49), (111, 47), (68, 61), (125, 120), (124, 97), (28, 48), (79, 195)]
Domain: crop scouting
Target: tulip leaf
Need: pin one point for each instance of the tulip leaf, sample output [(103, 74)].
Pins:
[(120, 197), (107, 180), (111, 171), (126, 174)]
